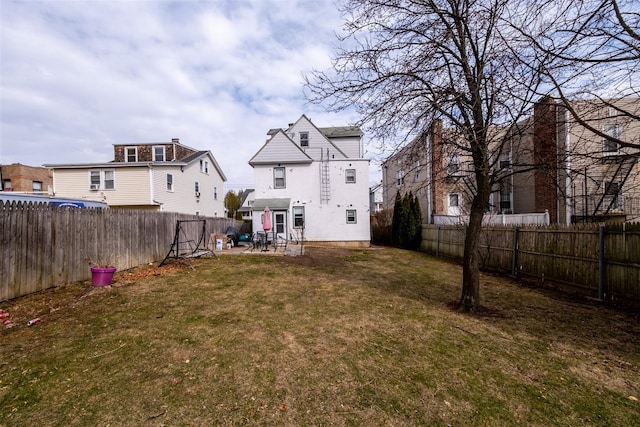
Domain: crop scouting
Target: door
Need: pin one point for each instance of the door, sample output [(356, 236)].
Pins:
[(280, 226)]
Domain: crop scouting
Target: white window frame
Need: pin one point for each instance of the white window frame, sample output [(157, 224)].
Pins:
[(504, 162), (127, 153), (298, 217), (304, 142), (6, 185), (215, 193), (196, 187), (400, 178), (352, 216), (350, 176), (170, 182), (204, 166), (456, 197), (614, 130), (162, 157), (100, 177), (106, 181), (276, 177), (36, 187), (417, 170)]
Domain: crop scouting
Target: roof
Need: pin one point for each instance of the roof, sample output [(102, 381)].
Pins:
[(260, 204), (280, 149), (341, 131), (185, 161)]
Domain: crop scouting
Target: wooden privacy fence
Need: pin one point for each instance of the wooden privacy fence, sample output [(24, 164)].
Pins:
[(43, 245), (596, 261)]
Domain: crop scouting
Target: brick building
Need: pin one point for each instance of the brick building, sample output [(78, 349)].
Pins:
[(569, 170), (25, 179)]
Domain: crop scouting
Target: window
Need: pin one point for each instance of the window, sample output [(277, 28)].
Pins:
[(298, 217), (215, 193), (204, 166), (131, 154), (109, 180), (351, 216), (400, 178), (197, 188), (505, 197), (612, 191), (611, 188), (94, 180), (158, 154), (36, 186), (505, 161), (279, 180), (102, 179), (453, 167), (614, 134), (454, 200), (6, 185), (304, 139), (417, 170), (350, 176), (169, 182)]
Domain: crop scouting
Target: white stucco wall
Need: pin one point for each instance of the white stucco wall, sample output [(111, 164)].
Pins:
[(324, 222)]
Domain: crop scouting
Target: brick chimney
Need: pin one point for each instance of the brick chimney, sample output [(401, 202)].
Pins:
[(545, 157), (437, 173)]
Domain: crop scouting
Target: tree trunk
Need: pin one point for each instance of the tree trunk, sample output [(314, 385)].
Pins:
[(470, 298)]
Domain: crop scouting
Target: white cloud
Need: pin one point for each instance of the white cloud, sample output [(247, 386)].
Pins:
[(79, 76)]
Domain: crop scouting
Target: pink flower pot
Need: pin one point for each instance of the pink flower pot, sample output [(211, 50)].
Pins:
[(102, 276)]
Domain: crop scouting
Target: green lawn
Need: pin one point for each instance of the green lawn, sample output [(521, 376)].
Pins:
[(337, 337)]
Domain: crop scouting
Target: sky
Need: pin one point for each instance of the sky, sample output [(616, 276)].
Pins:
[(77, 77)]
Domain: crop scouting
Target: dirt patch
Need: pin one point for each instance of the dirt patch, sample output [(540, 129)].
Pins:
[(319, 256)]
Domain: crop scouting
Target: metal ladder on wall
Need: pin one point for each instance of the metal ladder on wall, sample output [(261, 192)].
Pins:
[(325, 184)]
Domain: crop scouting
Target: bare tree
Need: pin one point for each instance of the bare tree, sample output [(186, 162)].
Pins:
[(403, 64), (591, 51), (477, 67)]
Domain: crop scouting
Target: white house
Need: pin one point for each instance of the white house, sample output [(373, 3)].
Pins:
[(164, 176), (315, 183), (248, 197)]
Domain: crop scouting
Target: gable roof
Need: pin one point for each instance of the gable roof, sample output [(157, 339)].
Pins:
[(328, 144), (280, 149)]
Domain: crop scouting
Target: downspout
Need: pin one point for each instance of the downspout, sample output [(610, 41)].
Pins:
[(152, 198), (569, 194), (429, 180)]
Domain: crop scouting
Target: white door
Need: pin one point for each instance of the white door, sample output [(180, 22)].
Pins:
[(280, 226), (453, 204)]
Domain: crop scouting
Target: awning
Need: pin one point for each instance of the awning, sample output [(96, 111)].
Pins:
[(274, 204)]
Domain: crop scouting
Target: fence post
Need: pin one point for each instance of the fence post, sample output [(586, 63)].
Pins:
[(514, 257), (438, 243), (601, 265)]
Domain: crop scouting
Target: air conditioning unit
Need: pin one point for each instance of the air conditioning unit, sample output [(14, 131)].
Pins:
[(197, 194), (94, 187)]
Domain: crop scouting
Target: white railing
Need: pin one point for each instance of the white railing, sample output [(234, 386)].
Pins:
[(496, 219)]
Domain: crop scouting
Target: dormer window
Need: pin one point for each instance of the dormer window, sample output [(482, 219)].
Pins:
[(130, 154), (304, 139), (158, 153)]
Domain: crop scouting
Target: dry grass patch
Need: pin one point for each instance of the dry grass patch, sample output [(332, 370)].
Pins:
[(337, 337)]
